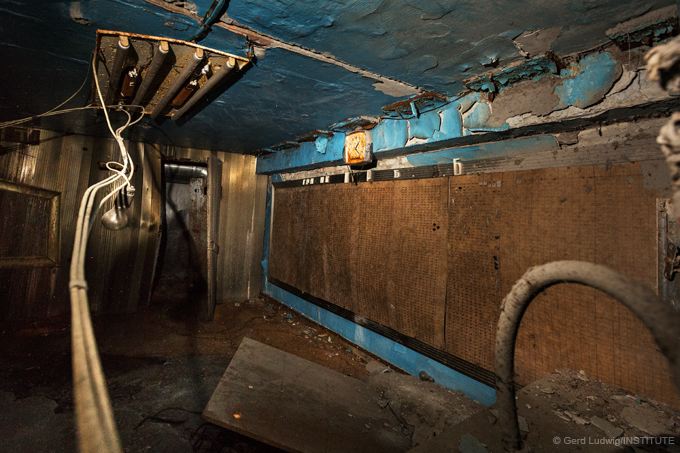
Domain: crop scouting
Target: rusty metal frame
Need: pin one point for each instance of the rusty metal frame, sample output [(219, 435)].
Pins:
[(660, 319), (241, 61), (52, 257)]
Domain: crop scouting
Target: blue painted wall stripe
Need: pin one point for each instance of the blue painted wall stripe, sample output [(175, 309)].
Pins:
[(398, 355)]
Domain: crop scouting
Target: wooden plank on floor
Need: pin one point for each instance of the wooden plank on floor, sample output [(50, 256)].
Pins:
[(297, 405)]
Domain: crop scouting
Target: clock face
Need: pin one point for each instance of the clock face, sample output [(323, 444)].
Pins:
[(356, 148)]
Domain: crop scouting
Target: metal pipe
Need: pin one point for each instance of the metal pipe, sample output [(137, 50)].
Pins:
[(157, 62), (183, 173), (181, 79), (212, 15), (117, 67), (212, 82), (662, 321)]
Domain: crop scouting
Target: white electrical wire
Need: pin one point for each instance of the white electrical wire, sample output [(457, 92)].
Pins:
[(29, 118), (120, 171), (64, 111), (94, 416)]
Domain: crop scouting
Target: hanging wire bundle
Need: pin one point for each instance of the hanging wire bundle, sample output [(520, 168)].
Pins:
[(94, 417)]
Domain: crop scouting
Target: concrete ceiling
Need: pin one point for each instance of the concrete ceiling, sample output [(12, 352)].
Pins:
[(325, 62)]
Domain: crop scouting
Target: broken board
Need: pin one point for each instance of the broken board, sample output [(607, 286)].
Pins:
[(297, 405)]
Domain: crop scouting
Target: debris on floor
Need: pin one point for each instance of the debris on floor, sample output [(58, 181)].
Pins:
[(161, 368), (568, 411), (184, 359), (422, 407)]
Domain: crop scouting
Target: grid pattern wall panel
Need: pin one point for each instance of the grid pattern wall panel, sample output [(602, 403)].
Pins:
[(599, 214), (473, 287), (376, 249), (286, 255), (433, 258)]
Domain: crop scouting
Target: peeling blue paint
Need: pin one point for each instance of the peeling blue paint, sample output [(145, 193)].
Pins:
[(582, 84), (531, 69), (285, 94), (424, 126), (466, 101), (586, 82), (321, 143), (435, 125), (451, 123), (306, 155), (431, 43), (477, 116), (440, 124), (389, 134)]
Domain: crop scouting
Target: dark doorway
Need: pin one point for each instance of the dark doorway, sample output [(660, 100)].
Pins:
[(182, 265)]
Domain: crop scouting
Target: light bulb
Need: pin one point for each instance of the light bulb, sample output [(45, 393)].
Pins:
[(117, 217)]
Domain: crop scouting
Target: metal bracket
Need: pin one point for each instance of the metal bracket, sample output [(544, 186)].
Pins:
[(672, 261)]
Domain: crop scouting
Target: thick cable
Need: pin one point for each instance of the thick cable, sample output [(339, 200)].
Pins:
[(660, 318), (94, 417)]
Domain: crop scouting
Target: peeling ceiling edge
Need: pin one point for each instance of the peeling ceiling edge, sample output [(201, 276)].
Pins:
[(384, 84)]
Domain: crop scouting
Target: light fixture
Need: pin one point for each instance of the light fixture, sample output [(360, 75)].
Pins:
[(117, 217)]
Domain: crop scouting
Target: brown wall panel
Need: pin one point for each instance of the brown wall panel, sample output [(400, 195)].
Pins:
[(60, 164), (404, 259), (66, 165), (473, 267), (371, 248), (288, 236), (595, 213), (377, 249)]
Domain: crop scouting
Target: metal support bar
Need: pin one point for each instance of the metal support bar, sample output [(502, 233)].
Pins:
[(159, 57), (181, 79), (660, 318), (212, 82), (183, 172), (117, 67)]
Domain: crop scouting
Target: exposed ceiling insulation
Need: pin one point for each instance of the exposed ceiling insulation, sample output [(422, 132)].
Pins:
[(325, 61)]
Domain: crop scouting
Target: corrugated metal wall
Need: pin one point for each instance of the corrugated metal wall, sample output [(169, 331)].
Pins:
[(61, 164), (121, 264)]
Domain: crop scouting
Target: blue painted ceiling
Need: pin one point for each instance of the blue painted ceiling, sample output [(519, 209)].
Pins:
[(45, 46)]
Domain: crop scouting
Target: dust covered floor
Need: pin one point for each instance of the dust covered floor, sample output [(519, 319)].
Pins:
[(161, 367), (567, 411)]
